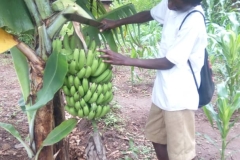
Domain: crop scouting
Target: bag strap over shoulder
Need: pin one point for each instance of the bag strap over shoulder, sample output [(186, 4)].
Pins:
[(188, 15), (205, 49)]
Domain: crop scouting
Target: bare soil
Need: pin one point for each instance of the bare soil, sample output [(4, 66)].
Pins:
[(122, 130)]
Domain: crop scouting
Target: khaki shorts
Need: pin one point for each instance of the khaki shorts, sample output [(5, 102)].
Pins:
[(176, 129)]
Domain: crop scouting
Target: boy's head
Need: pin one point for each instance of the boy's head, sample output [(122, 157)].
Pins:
[(182, 5)]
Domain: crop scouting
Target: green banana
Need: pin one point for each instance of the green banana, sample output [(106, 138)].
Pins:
[(72, 67), (72, 90), (90, 57), (87, 96), (76, 55), (59, 46), (85, 110), (82, 59), (93, 87), (66, 42), (105, 88), (109, 85), (93, 98), (105, 110), (91, 115), (92, 45), (99, 89), (81, 73), (93, 107), (73, 112), (101, 68), (71, 102), (100, 99), (94, 66), (72, 42), (88, 72), (98, 111), (82, 103), (66, 52), (76, 96), (77, 105), (70, 80), (108, 78), (80, 113), (81, 91), (67, 108), (106, 96), (65, 81), (85, 84), (76, 82), (109, 99), (66, 90), (67, 99), (101, 77)]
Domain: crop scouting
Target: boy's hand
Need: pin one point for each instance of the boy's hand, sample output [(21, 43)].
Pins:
[(113, 57), (107, 24)]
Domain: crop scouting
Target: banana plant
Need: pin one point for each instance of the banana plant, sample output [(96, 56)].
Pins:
[(40, 70)]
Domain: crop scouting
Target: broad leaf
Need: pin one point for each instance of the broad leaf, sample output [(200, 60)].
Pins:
[(21, 67), (108, 36), (222, 90), (60, 132), (53, 78), (7, 41), (14, 15), (10, 128)]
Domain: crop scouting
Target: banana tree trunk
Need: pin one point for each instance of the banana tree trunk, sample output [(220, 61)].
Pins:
[(47, 118)]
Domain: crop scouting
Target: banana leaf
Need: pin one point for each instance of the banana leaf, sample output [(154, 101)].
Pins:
[(111, 37), (94, 8), (15, 16)]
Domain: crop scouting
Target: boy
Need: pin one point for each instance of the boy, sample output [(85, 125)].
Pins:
[(171, 123)]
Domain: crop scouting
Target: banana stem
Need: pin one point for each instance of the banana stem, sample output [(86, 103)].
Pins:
[(30, 54), (44, 8), (94, 124), (33, 11), (59, 21), (44, 43)]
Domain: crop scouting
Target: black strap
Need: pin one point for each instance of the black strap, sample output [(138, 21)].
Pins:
[(179, 29)]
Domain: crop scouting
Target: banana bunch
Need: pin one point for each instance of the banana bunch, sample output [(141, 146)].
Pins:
[(87, 86)]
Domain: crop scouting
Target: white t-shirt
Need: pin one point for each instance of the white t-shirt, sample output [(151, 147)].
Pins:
[(175, 89)]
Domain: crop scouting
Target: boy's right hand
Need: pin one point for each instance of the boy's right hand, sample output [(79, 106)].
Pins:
[(107, 24)]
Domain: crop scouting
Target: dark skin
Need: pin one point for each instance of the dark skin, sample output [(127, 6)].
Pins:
[(158, 63)]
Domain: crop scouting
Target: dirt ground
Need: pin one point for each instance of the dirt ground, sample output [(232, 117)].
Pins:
[(122, 130)]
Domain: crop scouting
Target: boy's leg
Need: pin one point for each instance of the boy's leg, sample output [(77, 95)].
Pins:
[(161, 151), (173, 130), (155, 131), (180, 128)]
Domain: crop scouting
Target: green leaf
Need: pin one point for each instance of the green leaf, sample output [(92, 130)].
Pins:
[(14, 15), (208, 114), (53, 78), (222, 90), (60, 132), (22, 69), (10, 128)]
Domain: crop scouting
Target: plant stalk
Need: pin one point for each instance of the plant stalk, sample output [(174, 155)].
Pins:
[(42, 43), (30, 54), (33, 11), (57, 24), (44, 8)]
